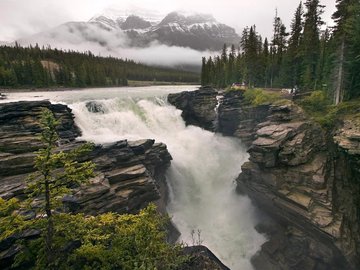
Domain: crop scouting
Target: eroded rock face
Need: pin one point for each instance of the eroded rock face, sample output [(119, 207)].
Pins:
[(347, 184), (129, 175), (201, 258), (239, 119), (303, 178), (289, 175), (126, 171), (198, 107)]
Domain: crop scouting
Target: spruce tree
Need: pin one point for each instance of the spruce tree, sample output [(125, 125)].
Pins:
[(311, 43), (293, 52), (346, 35)]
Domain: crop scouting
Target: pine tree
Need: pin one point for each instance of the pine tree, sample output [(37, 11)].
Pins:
[(311, 43), (53, 183), (230, 69), (204, 72), (346, 35), (266, 62), (278, 46), (294, 50)]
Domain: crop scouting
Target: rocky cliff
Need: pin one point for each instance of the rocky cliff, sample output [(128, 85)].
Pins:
[(126, 171), (129, 175), (303, 177), (198, 108)]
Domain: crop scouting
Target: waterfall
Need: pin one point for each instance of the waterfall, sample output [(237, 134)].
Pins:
[(219, 99), (201, 177)]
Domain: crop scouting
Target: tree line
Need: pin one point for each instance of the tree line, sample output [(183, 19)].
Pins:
[(309, 57), (46, 67)]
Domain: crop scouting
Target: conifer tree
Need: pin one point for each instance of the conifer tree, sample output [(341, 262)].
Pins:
[(346, 34), (311, 43), (294, 53), (57, 171)]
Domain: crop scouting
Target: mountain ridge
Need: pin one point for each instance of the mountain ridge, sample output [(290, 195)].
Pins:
[(196, 31)]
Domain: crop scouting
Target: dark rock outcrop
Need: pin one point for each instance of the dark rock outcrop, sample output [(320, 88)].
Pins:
[(126, 171), (237, 118), (201, 258), (290, 175), (198, 106), (129, 175), (301, 176)]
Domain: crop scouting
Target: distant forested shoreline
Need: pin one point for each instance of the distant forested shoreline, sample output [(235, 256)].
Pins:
[(36, 67)]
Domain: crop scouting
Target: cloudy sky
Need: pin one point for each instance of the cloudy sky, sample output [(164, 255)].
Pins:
[(20, 18)]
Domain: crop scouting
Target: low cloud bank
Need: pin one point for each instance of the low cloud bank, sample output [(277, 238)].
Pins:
[(105, 42)]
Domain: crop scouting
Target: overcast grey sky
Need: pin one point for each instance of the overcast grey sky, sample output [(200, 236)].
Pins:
[(19, 18)]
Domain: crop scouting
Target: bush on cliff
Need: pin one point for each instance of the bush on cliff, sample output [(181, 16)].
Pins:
[(316, 102), (318, 106), (259, 97)]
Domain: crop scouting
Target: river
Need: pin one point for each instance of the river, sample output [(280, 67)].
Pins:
[(203, 203)]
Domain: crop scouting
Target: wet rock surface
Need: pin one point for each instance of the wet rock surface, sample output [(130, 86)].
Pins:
[(305, 179), (198, 107), (129, 175), (201, 258), (125, 171)]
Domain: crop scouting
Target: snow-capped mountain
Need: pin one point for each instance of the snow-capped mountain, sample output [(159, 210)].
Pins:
[(197, 31), (115, 14)]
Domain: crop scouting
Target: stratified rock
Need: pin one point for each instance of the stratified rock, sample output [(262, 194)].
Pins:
[(297, 174), (289, 176), (347, 184), (129, 175), (198, 107), (236, 118)]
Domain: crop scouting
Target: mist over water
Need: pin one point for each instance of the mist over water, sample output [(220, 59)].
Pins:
[(202, 172)]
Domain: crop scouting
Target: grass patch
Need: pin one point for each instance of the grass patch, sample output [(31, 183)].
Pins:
[(260, 97), (319, 107)]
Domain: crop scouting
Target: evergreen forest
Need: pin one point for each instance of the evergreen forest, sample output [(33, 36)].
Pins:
[(309, 56), (46, 67)]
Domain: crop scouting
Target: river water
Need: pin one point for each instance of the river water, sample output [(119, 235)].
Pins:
[(203, 203)]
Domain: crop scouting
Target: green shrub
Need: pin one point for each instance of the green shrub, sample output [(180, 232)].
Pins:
[(318, 106), (109, 241), (259, 97), (316, 102)]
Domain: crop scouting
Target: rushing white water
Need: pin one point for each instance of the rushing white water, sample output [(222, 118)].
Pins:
[(201, 177)]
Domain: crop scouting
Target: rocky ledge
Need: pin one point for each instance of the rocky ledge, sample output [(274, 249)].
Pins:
[(129, 175), (198, 108), (304, 178)]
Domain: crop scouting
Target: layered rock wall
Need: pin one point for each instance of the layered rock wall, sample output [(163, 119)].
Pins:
[(126, 172), (300, 175)]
